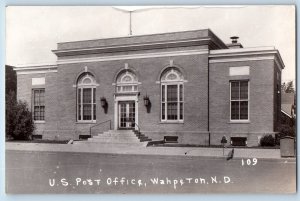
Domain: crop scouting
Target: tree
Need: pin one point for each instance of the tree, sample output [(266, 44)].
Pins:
[(19, 122), (288, 87), (10, 79), (283, 87)]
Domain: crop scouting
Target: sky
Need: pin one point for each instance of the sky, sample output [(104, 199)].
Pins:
[(32, 32)]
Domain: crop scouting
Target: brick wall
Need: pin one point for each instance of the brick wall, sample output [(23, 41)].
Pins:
[(277, 97), (60, 97), (261, 82), (24, 92), (148, 71)]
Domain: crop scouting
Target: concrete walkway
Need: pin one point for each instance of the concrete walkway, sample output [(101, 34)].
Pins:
[(122, 149)]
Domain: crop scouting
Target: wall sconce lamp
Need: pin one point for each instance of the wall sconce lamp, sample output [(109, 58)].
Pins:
[(103, 102), (146, 101)]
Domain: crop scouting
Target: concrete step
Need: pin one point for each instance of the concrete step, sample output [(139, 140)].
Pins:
[(111, 144), (145, 140), (118, 137), (115, 138), (120, 131), (113, 135), (107, 139)]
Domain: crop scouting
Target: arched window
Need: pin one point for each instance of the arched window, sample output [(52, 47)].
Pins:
[(172, 99), (86, 98), (127, 82)]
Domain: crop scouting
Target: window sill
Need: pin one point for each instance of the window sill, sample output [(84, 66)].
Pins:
[(171, 122), (239, 122), (127, 93), (39, 122), (86, 122)]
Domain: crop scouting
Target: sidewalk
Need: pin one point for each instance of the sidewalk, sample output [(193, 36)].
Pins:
[(168, 151)]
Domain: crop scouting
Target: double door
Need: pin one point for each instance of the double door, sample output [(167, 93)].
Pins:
[(126, 115)]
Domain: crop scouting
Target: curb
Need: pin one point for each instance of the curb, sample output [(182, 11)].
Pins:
[(148, 151)]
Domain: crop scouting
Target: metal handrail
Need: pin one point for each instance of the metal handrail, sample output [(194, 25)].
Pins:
[(139, 130), (100, 124)]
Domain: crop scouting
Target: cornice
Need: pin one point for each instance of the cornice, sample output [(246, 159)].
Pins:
[(244, 54), (34, 69), (133, 56), (213, 44)]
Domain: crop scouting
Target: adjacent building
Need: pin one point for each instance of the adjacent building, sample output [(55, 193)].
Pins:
[(186, 84), (288, 107)]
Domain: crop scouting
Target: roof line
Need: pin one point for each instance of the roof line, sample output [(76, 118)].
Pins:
[(286, 113)]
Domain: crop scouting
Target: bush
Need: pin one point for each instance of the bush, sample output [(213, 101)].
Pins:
[(19, 123), (285, 130), (267, 141)]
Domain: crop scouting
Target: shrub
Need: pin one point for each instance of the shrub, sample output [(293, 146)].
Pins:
[(19, 123), (287, 130), (267, 141), (284, 130)]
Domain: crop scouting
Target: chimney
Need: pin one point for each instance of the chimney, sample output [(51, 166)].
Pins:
[(234, 43)]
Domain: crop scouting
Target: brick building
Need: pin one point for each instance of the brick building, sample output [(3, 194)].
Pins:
[(186, 84)]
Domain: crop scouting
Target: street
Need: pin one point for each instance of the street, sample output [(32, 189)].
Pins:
[(61, 172)]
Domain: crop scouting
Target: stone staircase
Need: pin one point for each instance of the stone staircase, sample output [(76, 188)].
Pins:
[(118, 137)]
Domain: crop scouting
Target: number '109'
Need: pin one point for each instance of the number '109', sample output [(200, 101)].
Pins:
[(249, 161)]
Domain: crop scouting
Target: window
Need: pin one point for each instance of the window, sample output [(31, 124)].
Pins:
[(127, 82), (172, 101), (239, 100), (38, 104), (86, 98)]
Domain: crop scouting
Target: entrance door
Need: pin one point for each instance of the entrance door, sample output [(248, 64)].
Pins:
[(126, 115)]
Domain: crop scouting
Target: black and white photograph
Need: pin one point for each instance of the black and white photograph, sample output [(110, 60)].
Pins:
[(150, 99)]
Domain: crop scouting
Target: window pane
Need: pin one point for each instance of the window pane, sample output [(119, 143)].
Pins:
[(79, 96), (94, 108), (132, 112), (234, 110), (181, 111), (94, 95), (172, 93), (181, 92), (42, 97), (244, 110), (39, 104), (87, 80), (244, 89), (94, 103), (87, 110), (36, 97), (87, 95), (163, 117), (163, 93), (79, 103), (42, 113), (235, 90), (79, 112), (172, 111), (36, 113), (127, 88)]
